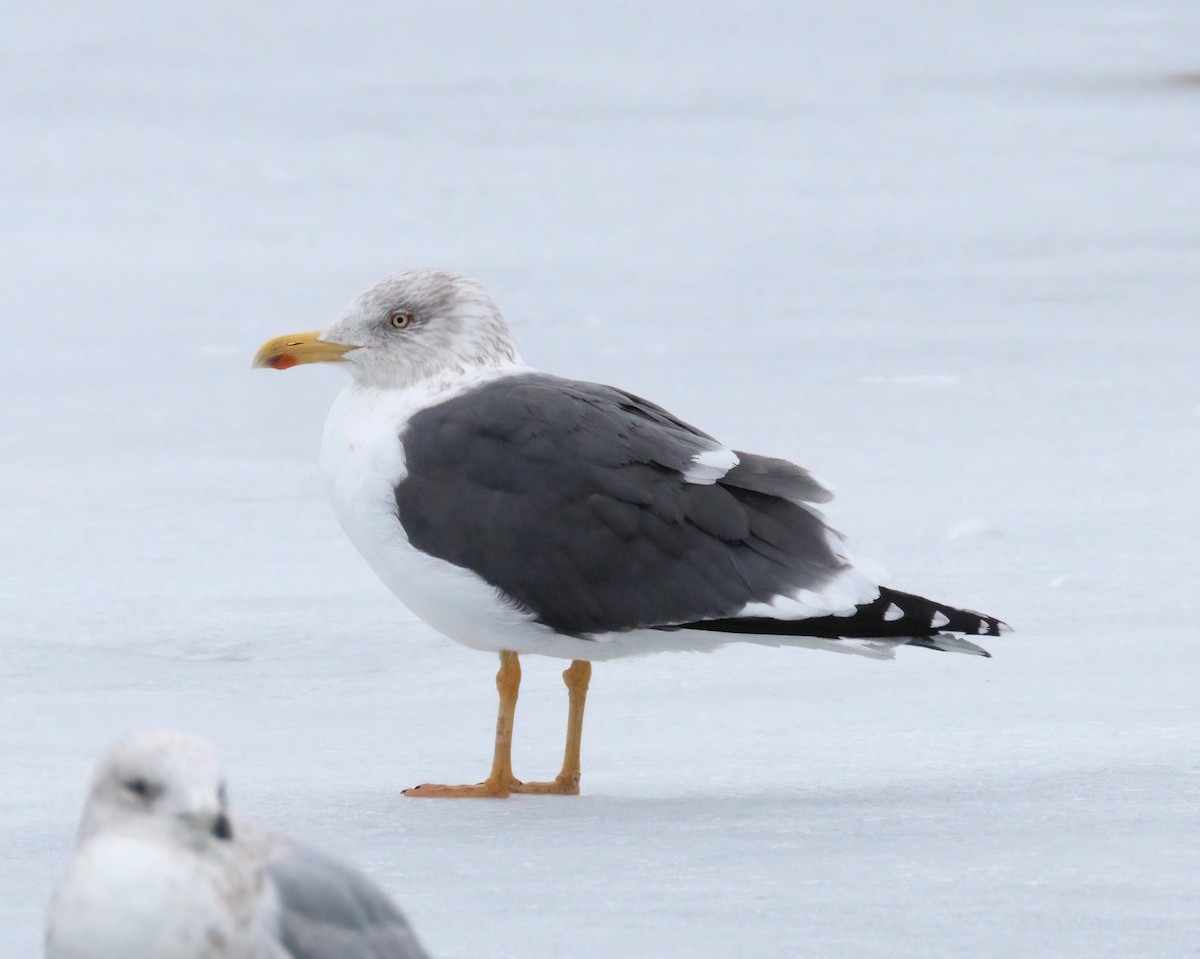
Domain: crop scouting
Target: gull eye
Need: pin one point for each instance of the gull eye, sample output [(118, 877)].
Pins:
[(140, 787), (400, 319)]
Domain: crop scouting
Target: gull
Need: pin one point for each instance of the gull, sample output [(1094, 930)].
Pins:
[(162, 871), (522, 513)]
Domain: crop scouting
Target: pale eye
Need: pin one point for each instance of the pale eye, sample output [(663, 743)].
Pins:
[(400, 319)]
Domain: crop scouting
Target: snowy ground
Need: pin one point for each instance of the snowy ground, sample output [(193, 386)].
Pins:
[(948, 259)]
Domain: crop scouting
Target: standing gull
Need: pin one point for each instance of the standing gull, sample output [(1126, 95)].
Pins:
[(161, 872), (519, 512)]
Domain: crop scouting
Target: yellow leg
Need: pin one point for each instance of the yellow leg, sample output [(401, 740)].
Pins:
[(566, 783), (501, 782)]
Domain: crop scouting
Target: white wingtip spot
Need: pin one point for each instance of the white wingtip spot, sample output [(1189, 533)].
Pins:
[(710, 466), (893, 613), (939, 620)]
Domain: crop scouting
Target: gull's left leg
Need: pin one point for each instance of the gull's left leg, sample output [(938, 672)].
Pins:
[(566, 783)]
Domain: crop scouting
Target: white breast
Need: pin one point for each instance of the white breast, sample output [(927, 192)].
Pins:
[(131, 898), (363, 459)]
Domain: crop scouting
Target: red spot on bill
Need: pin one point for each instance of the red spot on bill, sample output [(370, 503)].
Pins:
[(284, 361)]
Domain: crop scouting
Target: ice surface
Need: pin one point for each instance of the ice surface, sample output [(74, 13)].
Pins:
[(946, 257)]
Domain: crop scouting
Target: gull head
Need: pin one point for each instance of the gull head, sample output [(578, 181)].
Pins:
[(159, 782), (408, 328)]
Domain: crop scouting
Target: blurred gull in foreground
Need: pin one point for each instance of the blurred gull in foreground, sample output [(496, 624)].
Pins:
[(518, 512), (161, 871)]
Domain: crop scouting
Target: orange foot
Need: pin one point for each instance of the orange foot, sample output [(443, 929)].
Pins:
[(498, 788)]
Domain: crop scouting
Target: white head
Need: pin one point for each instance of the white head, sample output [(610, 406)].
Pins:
[(159, 782), (408, 328)]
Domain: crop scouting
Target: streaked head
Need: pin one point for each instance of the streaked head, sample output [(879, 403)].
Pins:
[(407, 328), (159, 780)]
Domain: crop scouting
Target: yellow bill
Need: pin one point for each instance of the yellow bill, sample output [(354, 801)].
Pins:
[(284, 352)]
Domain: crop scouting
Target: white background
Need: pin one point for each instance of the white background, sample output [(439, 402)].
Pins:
[(949, 259)]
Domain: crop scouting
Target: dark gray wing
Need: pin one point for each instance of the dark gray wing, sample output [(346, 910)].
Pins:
[(330, 911), (571, 499)]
